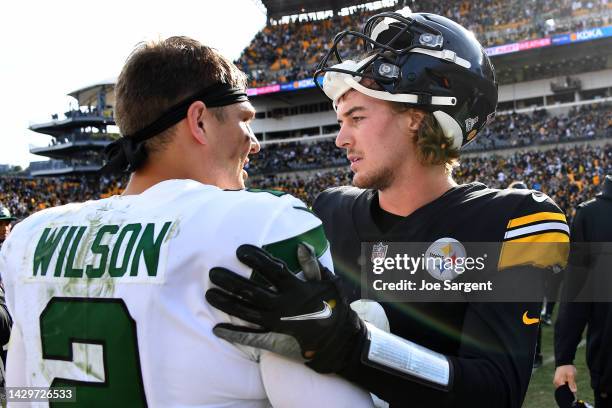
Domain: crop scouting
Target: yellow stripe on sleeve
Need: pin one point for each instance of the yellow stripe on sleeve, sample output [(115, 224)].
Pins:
[(547, 237), (540, 250), (541, 216)]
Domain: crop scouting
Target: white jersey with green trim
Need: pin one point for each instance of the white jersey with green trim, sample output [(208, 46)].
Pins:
[(108, 296)]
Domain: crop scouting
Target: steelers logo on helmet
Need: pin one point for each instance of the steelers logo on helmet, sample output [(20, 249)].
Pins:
[(420, 59)]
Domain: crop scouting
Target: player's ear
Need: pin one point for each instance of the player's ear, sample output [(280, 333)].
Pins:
[(196, 121), (414, 117)]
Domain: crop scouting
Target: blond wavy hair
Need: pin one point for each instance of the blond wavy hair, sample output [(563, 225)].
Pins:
[(434, 148)]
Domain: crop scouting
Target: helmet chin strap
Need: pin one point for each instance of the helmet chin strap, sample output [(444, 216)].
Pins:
[(404, 97), (336, 84), (449, 126)]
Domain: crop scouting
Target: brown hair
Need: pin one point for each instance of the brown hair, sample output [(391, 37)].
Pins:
[(159, 74), (434, 148)]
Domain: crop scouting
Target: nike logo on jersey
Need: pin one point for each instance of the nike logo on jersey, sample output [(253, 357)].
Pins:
[(529, 320), (324, 313), (538, 197)]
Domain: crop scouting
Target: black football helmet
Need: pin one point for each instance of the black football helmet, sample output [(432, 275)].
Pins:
[(421, 59)]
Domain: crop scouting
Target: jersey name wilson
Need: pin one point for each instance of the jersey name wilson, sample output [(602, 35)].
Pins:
[(90, 252)]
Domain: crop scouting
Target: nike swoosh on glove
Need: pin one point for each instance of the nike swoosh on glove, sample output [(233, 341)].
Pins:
[(302, 319)]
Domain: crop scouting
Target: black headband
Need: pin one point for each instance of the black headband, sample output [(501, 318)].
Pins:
[(128, 153)]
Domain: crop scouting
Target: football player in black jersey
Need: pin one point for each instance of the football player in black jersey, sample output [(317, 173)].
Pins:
[(423, 88)]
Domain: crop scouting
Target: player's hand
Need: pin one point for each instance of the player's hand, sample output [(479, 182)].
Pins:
[(566, 374), (311, 316)]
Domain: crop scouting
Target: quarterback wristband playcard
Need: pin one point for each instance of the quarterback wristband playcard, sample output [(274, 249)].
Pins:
[(404, 358)]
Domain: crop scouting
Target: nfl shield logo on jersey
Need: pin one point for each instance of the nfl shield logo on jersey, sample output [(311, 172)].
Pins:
[(379, 251)]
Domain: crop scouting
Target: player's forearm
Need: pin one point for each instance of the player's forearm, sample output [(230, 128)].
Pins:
[(569, 326), (468, 377)]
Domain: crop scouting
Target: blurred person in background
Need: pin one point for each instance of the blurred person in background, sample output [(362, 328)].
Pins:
[(592, 232), (6, 223)]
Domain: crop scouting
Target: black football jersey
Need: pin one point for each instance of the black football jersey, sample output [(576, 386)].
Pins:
[(489, 345)]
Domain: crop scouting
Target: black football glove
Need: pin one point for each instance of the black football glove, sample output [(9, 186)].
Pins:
[(566, 399), (305, 319)]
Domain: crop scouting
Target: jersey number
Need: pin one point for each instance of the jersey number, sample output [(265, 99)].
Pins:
[(104, 322)]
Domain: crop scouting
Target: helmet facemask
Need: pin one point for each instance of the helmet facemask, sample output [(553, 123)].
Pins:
[(402, 42)]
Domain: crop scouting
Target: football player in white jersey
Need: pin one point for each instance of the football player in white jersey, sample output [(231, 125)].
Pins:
[(107, 295)]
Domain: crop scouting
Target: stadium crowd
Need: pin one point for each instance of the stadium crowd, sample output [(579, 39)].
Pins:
[(521, 129), (551, 68), (24, 196), (570, 175), (285, 52), (294, 156), (507, 131)]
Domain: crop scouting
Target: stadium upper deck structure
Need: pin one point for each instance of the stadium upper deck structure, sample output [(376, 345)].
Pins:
[(557, 72), (80, 135)]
